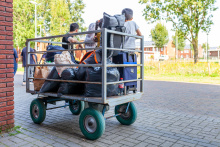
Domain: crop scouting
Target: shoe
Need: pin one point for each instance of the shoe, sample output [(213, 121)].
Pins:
[(24, 83)]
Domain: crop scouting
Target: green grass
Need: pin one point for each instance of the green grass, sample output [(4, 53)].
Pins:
[(183, 71), (20, 69), (16, 130)]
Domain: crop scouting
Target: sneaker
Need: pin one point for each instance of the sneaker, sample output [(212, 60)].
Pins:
[(24, 83)]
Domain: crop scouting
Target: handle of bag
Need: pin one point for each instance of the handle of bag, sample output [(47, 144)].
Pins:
[(132, 54)]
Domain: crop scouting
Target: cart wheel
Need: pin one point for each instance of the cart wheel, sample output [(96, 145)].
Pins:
[(37, 111), (77, 107), (92, 123), (126, 118)]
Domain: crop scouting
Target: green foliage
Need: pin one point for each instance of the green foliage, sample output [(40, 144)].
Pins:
[(181, 40), (160, 35), (204, 46), (54, 16), (189, 16), (23, 20)]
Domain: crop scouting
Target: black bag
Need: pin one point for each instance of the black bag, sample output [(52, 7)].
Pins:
[(94, 74), (49, 56), (68, 87), (51, 86)]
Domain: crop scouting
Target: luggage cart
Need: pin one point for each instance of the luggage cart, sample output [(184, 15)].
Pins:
[(91, 109)]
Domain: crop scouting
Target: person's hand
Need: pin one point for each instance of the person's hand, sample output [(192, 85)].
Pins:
[(80, 46), (95, 39)]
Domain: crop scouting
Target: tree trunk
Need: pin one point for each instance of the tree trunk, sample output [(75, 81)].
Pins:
[(195, 47)]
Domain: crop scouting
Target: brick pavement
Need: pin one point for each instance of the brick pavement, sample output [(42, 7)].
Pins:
[(161, 121)]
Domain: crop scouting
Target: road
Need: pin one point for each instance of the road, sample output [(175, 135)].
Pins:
[(169, 114)]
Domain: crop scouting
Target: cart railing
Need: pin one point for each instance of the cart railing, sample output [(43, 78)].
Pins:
[(104, 64)]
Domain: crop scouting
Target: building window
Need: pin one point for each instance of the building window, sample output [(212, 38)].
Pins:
[(181, 56), (161, 49), (187, 56), (186, 51), (181, 51)]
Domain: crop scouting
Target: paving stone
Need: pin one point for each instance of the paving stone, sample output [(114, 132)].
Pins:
[(186, 143), (142, 144), (1, 145), (177, 145), (59, 145), (40, 143), (71, 144), (115, 145), (165, 118)]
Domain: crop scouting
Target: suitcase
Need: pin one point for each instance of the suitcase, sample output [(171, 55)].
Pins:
[(127, 73)]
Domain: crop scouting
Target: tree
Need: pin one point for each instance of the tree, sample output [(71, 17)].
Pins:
[(189, 16), (181, 41), (23, 20), (160, 35), (55, 16), (204, 46)]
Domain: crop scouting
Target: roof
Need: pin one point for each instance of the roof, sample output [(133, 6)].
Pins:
[(187, 46), (213, 48)]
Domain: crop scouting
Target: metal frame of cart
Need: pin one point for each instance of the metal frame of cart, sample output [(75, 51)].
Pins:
[(91, 119)]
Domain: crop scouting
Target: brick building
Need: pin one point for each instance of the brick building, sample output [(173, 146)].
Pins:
[(152, 52), (6, 65), (214, 53)]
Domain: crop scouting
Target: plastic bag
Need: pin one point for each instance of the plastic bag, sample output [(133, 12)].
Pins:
[(68, 87), (51, 86), (64, 58), (40, 72), (95, 75), (80, 73)]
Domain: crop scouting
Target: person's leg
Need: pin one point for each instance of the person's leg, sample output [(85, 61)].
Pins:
[(31, 72), (24, 75), (15, 68)]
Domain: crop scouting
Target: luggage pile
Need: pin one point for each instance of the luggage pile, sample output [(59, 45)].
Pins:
[(92, 74)]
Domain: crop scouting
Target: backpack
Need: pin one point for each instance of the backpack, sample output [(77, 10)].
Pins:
[(115, 23)]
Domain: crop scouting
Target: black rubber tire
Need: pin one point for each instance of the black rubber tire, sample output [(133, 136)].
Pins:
[(37, 106), (80, 105), (100, 123), (128, 118)]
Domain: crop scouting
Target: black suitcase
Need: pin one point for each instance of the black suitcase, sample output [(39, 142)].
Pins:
[(127, 73)]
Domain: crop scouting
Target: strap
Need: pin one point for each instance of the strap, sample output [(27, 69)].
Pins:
[(117, 20), (87, 55), (95, 57)]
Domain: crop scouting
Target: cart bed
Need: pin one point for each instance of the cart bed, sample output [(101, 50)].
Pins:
[(112, 101)]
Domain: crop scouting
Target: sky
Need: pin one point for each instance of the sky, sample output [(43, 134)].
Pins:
[(94, 10)]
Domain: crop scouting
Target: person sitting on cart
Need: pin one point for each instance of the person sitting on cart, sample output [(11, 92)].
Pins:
[(74, 28), (131, 28)]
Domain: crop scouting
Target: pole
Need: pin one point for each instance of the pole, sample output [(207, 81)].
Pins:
[(36, 26), (207, 49), (40, 30), (176, 45)]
